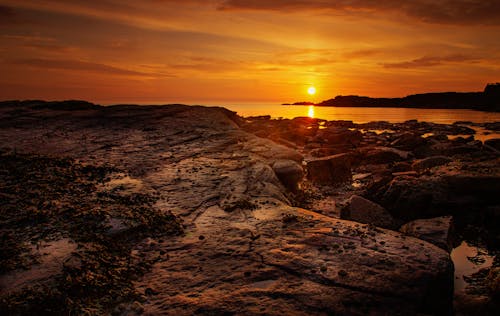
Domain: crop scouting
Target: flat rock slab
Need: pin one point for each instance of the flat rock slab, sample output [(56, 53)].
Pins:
[(286, 261)]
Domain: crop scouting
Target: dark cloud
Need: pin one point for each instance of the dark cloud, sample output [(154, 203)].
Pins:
[(77, 65), (6, 11), (430, 61), (7, 14), (438, 11)]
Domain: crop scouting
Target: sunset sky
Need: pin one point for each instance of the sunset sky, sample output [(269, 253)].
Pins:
[(194, 51)]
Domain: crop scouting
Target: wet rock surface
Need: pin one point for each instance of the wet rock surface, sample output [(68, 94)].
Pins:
[(235, 184), (438, 231)]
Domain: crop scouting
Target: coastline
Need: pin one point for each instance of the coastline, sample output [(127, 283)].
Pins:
[(494, 109), (487, 100), (274, 211)]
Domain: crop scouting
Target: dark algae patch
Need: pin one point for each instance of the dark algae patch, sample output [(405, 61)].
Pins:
[(44, 200)]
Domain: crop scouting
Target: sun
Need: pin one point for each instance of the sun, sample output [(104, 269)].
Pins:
[(311, 90)]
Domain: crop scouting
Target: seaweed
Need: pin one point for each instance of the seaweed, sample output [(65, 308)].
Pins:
[(44, 199)]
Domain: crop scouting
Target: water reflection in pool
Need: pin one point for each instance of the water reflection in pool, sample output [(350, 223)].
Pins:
[(468, 259)]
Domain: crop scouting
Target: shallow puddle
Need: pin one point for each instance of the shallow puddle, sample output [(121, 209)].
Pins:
[(52, 256), (376, 131), (468, 260)]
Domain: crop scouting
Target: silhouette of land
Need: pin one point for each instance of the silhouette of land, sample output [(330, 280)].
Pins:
[(487, 100)]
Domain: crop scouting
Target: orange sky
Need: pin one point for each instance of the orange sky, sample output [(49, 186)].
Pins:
[(194, 51)]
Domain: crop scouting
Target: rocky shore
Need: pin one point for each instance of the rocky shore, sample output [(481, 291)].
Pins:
[(186, 210)]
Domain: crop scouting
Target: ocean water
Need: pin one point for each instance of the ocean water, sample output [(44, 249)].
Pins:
[(355, 114), (362, 115)]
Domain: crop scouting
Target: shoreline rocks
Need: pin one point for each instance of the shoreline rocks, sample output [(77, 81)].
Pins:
[(430, 162), (289, 172), (361, 210), (438, 231), (330, 170), (247, 249)]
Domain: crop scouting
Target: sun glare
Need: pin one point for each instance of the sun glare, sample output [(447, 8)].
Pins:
[(310, 111), (311, 90)]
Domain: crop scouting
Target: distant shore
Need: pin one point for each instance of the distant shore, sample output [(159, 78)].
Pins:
[(487, 100)]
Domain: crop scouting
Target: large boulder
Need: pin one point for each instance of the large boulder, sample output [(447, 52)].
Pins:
[(427, 196), (430, 162), (438, 231), (381, 155), (330, 170), (408, 141), (365, 211), (408, 197), (336, 136), (289, 173)]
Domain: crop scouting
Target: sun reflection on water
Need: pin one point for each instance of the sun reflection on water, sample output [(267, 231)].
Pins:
[(310, 111)]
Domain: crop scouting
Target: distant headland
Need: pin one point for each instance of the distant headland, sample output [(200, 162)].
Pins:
[(487, 100)]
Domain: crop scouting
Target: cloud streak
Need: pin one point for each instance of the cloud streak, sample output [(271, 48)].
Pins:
[(431, 61), (458, 12), (6, 11), (77, 65), (47, 44), (438, 11), (266, 49)]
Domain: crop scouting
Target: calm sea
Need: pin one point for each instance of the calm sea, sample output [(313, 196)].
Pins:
[(355, 114), (362, 115)]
